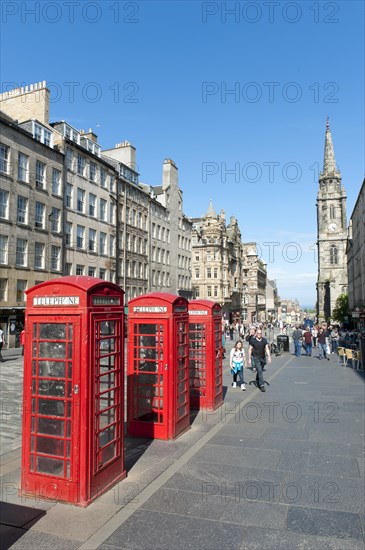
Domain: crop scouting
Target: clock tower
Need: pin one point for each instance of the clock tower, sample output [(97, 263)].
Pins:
[(331, 233)]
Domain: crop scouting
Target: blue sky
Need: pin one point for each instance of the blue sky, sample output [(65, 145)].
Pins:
[(159, 74)]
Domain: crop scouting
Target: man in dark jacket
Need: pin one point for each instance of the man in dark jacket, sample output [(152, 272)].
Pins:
[(258, 350), (297, 338)]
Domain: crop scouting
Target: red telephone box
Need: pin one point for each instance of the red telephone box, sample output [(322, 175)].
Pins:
[(158, 369), (72, 447), (205, 354)]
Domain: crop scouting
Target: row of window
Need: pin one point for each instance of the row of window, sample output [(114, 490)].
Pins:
[(90, 170), (183, 242), (23, 173), (135, 244), (135, 218), (161, 233), (21, 287), (160, 255), (135, 270), (95, 243), (23, 250), (183, 262), (212, 292), (92, 205), (22, 213), (183, 281), (90, 271), (160, 279), (209, 272)]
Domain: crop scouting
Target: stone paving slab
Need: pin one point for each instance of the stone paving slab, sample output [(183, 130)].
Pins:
[(344, 525), (151, 529)]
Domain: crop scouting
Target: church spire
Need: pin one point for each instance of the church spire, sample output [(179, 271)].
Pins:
[(211, 212), (329, 162)]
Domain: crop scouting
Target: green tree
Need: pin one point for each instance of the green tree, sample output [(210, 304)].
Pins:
[(341, 308)]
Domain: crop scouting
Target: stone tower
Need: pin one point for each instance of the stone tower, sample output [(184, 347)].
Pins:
[(331, 233)]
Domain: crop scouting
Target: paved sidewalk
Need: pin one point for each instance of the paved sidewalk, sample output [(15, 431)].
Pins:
[(277, 470)]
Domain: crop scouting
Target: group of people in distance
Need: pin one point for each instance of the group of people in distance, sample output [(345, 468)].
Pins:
[(325, 337), (258, 354)]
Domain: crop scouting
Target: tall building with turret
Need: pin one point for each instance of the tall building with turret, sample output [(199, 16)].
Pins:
[(331, 233)]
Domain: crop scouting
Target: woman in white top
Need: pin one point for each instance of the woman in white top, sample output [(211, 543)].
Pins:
[(237, 364)]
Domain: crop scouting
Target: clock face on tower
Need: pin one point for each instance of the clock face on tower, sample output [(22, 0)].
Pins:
[(332, 226)]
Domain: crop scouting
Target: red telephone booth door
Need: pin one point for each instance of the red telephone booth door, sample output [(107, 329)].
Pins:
[(51, 436), (108, 376), (218, 381), (197, 364), (182, 414), (147, 404)]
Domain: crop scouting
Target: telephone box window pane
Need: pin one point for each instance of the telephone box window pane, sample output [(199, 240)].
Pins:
[(68, 470), (182, 399), (35, 331), (107, 328), (107, 346), (33, 424), (147, 379), (69, 370), (55, 369), (34, 405), (32, 463), (69, 356), (50, 446), (52, 331), (34, 368), (53, 388), (50, 426), (50, 466), (106, 418), (107, 400), (68, 429), (34, 349), (70, 329), (51, 407), (182, 411), (32, 443), (68, 449), (52, 349), (106, 436), (107, 454), (107, 381)]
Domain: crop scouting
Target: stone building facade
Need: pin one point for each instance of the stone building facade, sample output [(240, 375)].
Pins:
[(31, 216), (356, 262), (226, 270), (170, 236), (331, 234), (89, 204)]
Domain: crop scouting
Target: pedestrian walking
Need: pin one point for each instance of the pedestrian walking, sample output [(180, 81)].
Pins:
[(250, 335), (297, 338), (315, 336), (22, 340), (2, 342), (335, 337), (322, 344), (257, 353), (307, 338), (237, 364)]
